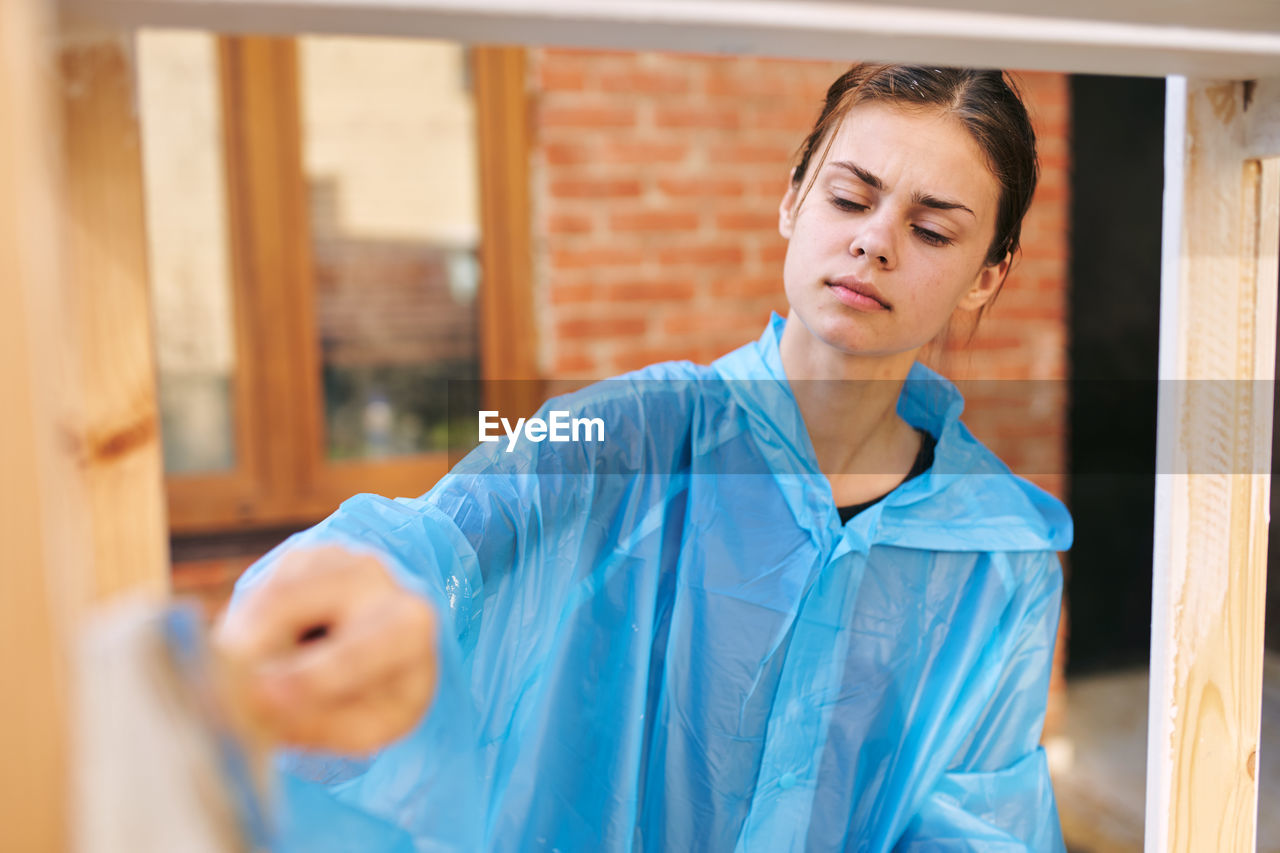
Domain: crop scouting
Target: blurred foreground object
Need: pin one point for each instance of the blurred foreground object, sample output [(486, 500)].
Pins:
[(161, 765)]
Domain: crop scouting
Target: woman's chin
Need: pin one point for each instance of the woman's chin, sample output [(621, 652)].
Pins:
[(843, 336), (857, 344), (840, 333)]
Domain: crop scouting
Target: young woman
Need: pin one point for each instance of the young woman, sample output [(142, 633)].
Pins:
[(788, 603)]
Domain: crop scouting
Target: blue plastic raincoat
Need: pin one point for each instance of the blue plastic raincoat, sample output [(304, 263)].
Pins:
[(695, 654)]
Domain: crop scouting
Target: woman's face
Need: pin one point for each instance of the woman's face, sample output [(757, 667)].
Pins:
[(892, 237)]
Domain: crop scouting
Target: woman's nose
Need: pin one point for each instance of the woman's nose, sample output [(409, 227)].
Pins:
[(875, 244), (875, 255)]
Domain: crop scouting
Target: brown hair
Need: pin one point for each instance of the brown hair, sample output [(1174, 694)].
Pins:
[(989, 105)]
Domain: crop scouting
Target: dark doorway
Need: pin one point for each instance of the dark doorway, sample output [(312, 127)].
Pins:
[(1117, 156)]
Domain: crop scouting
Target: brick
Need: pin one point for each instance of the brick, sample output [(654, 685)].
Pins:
[(703, 254), (567, 259), (773, 254), (661, 290), (1049, 95), (562, 294), (748, 220), (575, 362), (709, 323), (604, 327), (773, 187), (746, 152), (557, 77), (645, 82), (736, 82), (569, 223), (697, 117), (1054, 312), (1050, 126), (988, 342), (595, 188), (1054, 162), (634, 359), (654, 220), (682, 187), (639, 151), (587, 117), (746, 287), (794, 119), (566, 153), (1045, 194)]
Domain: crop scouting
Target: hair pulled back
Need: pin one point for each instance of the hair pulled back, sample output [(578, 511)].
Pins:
[(987, 103)]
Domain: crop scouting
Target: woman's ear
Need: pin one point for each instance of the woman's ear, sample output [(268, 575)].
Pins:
[(786, 210), (986, 285)]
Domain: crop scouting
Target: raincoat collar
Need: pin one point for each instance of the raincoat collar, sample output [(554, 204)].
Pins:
[(967, 501)]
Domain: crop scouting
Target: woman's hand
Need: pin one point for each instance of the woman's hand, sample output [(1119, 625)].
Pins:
[(329, 652)]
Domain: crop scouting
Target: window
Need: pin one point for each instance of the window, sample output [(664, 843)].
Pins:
[(337, 227)]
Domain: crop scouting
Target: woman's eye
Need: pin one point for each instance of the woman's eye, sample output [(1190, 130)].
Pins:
[(846, 204), (931, 237)]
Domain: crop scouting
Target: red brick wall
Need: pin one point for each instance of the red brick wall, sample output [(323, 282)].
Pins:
[(656, 182)]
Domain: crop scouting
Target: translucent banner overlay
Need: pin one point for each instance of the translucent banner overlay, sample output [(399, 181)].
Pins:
[(754, 427)]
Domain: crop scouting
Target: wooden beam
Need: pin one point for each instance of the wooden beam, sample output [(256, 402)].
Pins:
[(1217, 355), (107, 263), (43, 516), (1033, 35), (508, 326)]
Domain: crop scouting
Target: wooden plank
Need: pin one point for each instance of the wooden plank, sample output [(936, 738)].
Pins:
[(107, 263), (509, 357), (1121, 38), (271, 214), (1217, 350), (43, 515)]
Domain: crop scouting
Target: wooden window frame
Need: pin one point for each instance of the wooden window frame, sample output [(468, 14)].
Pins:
[(281, 476), (1202, 781)]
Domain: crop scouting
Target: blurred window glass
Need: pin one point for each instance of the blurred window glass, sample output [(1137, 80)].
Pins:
[(188, 250), (389, 154)]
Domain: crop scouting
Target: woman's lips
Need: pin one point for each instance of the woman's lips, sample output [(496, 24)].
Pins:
[(857, 294)]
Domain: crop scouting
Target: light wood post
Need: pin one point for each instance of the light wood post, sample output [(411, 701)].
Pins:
[(107, 265), (43, 515), (1217, 354)]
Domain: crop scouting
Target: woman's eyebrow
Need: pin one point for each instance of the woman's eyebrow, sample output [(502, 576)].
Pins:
[(926, 200), (861, 174), (920, 199)]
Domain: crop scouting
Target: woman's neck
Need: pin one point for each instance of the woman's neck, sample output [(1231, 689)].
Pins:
[(849, 405)]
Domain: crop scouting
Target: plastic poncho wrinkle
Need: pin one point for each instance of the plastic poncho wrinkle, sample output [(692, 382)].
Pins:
[(670, 642)]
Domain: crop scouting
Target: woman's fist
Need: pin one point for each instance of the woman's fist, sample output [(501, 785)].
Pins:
[(329, 652)]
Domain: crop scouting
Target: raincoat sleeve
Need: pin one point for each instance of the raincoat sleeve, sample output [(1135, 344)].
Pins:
[(423, 792), (996, 794), (499, 547)]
